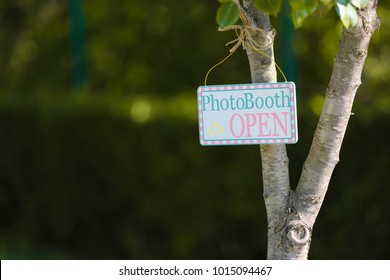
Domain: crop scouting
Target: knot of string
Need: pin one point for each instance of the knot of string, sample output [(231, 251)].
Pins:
[(245, 39)]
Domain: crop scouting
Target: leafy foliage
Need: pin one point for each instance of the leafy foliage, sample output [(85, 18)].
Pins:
[(346, 9), (347, 14), (227, 13), (300, 10)]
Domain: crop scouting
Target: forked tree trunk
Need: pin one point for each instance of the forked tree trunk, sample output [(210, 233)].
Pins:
[(291, 214)]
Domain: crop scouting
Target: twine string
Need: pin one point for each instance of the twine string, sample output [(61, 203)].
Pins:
[(242, 33)]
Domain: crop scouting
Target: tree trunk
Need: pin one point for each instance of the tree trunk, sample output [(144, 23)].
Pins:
[(291, 214)]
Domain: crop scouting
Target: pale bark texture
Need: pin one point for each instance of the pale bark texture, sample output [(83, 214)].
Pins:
[(291, 214)]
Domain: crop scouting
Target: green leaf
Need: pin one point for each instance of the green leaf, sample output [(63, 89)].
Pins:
[(347, 14), (297, 18), (301, 9), (224, 1), (360, 4), (227, 14), (271, 7), (304, 6)]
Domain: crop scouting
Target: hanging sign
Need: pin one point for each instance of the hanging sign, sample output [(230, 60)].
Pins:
[(247, 114)]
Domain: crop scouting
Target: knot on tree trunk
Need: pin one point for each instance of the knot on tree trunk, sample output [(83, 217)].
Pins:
[(298, 233)]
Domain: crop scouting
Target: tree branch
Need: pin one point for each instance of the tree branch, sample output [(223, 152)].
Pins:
[(340, 94), (276, 186)]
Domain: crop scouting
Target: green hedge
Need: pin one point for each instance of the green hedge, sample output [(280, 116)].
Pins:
[(83, 182)]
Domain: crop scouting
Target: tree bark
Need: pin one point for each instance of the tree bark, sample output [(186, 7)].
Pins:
[(291, 214)]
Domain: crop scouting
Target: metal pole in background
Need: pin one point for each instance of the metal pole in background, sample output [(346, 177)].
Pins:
[(287, 56), (78, 45)]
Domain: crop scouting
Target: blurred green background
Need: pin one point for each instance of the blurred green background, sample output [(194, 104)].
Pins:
[(99, 152)]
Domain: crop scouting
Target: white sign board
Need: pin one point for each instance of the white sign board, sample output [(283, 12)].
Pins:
[(247, 114)]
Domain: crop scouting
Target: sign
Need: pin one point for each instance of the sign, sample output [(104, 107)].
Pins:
[(247, 114)]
